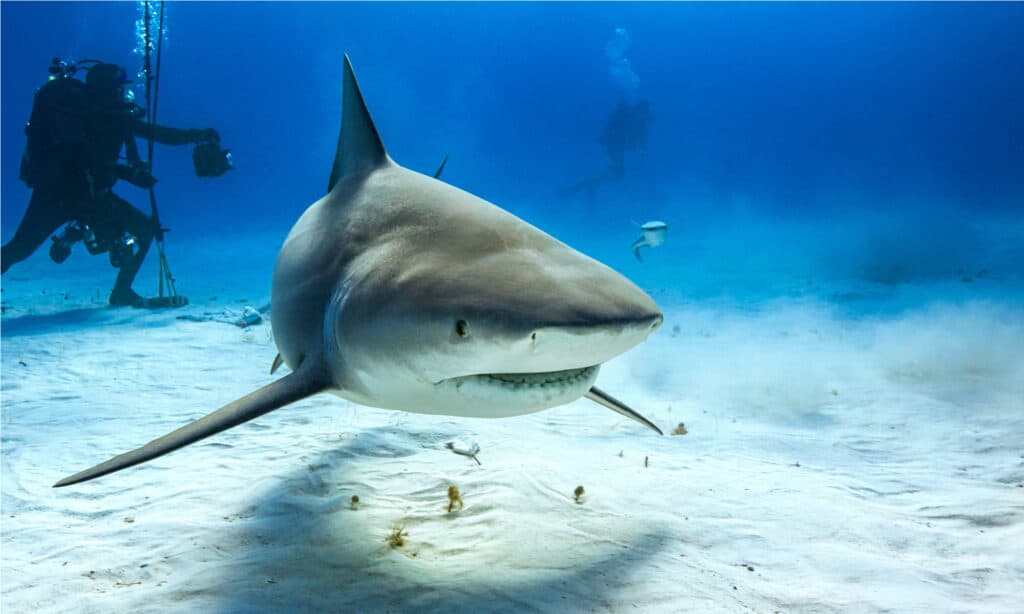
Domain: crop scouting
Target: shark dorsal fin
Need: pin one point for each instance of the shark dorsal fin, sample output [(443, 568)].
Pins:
[(360, 149)]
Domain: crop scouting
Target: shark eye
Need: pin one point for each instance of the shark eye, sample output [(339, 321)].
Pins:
[(462, 328)]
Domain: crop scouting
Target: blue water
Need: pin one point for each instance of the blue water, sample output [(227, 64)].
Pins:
[(842, 284), (793, 110)]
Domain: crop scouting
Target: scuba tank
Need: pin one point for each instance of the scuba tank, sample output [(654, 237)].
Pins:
[(54, 128)]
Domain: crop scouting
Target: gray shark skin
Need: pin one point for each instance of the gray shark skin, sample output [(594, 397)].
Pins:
[(399, 291)]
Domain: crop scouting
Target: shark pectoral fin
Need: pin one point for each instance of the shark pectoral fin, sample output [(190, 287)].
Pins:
[(277, 364), (599, 396), (290, 388)]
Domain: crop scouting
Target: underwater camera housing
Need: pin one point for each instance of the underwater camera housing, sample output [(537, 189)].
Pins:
[(60, 249), (210, 160), (121, 248)]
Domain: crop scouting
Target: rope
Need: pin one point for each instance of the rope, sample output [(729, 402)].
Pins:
[(152, 98)]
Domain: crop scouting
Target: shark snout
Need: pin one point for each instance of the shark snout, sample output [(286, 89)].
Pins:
[(593, 342), (643, 323)]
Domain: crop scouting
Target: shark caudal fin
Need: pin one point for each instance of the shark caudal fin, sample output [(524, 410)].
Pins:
[(290, 388), (360, 149)]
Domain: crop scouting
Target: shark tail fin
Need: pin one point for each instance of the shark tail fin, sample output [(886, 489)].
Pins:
[(360, 149), (290, 388), (601, 397)]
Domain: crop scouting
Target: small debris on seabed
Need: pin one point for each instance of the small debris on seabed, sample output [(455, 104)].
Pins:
[(579, 493), (454, 497), (471, 449), (679, 430), (355, 501), (645, 461), (396, 539), (249, 316)]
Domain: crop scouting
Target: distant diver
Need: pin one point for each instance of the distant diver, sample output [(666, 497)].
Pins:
[(653, 236), (625, 130), (71, 161)]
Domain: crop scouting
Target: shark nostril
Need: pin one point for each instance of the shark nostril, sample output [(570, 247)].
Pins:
[(462, 329), (657, 322)]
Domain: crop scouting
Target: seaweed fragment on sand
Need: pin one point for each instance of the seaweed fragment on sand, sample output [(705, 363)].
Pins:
[(454, 498), (396, 539)]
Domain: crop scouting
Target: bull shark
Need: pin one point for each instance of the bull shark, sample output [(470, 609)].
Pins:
[(399, 291)]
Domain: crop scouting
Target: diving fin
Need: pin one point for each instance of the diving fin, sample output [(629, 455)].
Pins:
[(601, 397), (641, 242), (290, 388)]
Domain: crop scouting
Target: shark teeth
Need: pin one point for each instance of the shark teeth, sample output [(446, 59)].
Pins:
[(568, 377)]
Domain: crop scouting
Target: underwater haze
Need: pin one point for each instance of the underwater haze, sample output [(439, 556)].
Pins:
[(825, 200)]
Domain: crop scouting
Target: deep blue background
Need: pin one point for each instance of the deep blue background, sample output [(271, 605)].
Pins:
[(794, 108)]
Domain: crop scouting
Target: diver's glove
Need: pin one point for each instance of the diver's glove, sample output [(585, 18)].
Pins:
[(137, 174), (207, 135)]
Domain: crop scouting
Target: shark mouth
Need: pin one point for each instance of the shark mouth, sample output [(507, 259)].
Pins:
[(513, 394), (569, 378), (529, 392)]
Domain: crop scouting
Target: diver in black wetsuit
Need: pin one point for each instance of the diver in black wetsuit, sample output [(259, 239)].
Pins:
[(75, 135), (625, 130)]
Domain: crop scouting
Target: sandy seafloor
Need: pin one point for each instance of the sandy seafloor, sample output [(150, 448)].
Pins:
[(852, 446)]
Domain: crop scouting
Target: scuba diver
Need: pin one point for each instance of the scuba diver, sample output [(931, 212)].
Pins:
[(71, 162), (625, 130)]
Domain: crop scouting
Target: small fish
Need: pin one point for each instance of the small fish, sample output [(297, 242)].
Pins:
[(654, 235), (470, 449)]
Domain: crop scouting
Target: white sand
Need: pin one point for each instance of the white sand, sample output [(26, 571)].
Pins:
[(835, 461)]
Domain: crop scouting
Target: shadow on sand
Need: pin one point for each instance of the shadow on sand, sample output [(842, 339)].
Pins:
[(304, 549), (34, 324)]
